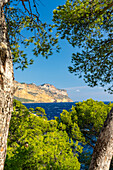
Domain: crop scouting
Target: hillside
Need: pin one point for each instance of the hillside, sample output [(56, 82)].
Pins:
[(45, 93)]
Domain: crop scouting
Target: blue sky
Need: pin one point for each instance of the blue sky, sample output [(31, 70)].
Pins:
[(54, 70)]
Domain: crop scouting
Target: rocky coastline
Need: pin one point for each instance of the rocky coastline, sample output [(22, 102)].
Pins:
[(45, 93)]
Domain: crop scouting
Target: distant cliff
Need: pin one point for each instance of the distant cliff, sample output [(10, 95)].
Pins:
[(45, 93)]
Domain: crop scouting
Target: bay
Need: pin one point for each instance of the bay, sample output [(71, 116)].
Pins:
[(53, 109)]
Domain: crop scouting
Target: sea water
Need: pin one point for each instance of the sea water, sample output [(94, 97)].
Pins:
[(53, 109)]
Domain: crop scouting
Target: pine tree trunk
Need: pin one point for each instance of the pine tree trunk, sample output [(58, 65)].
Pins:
[(103, 150), (6, 86)]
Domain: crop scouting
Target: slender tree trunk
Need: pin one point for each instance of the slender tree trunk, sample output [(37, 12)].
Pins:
[(103, 150), (6, 86)]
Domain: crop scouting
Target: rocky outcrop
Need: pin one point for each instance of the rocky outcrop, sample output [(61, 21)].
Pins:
[(45, 93)]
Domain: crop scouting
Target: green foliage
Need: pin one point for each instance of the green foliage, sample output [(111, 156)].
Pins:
[(40, 111), (91, 116), (87, 116), (68, 123), (23, 100), (39, 35), (36, 143), (83, 123), (88, 25)]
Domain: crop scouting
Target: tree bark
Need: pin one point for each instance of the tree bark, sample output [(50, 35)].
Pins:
[(103, 150), (6, 86)]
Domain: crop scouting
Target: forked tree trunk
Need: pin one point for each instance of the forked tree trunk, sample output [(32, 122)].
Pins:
[(103, 150), (6, 86)]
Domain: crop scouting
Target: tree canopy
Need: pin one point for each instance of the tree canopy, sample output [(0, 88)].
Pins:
[(22, 16), (36, 142), (85, 24), (88, 25), (83, 123)]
